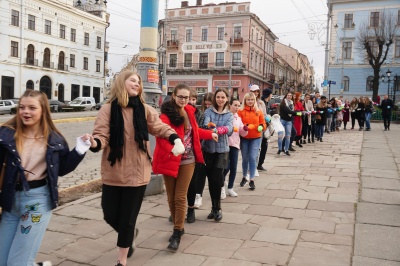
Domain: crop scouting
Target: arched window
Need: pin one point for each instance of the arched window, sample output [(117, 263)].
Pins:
[(369, 83), (46, 58), (30, 85), (61, 58), (30, 55), (346, 83)]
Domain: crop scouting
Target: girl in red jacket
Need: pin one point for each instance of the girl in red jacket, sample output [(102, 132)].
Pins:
[(178, 170)]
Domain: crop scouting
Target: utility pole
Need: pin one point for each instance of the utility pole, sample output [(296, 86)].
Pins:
[(327, 46), (164, 76)]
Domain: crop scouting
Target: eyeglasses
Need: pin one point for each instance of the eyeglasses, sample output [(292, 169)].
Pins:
[(180, 97)]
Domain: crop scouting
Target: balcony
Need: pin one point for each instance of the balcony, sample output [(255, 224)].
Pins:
[(172, 43), (62, 67), (236, 41), (48, 64), (211, 68), (271, 77), (31, 61)]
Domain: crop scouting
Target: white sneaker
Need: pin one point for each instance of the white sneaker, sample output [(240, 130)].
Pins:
[(248, 176), (223, 194), (198, 201), (256, 173), (231, 192)]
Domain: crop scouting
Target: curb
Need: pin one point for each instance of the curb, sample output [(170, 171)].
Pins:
[(78, 119), (67, 195)]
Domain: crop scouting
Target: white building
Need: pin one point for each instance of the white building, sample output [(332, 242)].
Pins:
[(57, 47)]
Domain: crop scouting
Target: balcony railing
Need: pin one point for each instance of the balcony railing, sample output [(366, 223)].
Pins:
[(62, 67), (173, 43), (236, 41), (206, 66), (31, 61), (48, 64)]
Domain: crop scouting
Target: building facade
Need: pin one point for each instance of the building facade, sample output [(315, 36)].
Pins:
[(57, 47), (214, 46), (348, 64)]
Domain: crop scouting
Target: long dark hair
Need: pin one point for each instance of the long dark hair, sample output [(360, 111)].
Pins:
[(207, 97), (214, 102), (283, 103)]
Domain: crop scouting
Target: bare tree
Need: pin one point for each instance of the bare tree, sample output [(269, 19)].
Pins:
[(375, 36)]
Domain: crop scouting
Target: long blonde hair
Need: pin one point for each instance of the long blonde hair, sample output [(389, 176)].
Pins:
[(46, 123), (118, 90), (247, 96)]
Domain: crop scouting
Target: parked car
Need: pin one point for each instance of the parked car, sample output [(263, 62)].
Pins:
[(55, 105), (100, 104), (87, 102), (7, 105)]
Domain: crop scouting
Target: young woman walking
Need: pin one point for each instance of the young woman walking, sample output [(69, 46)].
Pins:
[(286, 112), (353, 113)]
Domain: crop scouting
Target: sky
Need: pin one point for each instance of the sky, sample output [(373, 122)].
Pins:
[(289, 20)]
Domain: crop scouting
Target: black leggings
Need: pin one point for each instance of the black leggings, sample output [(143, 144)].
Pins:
[(197, 183), (121, 206), (263, 151), (215, 177)]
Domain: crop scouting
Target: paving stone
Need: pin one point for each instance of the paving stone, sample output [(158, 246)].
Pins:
[(265, 210), (331, 206), (279, 193), (344, 229), (316, 177), (311, 196), (381, 214), (316, 257), (312, 189), (171, 258), (343, 191), (214, 247), (292, 203), (53, 241), (323, 183), (277, 235), (160, 240), (380, 172), (323, 238), (234, 231), (267, 221), (313, 214), (349, 185), (338, 217), (343, 198), (312, 224), (376, 241), (212, 261), (345, 179), (364, 261), (282, 186), (293, 213), (381, 196), (380, 183)]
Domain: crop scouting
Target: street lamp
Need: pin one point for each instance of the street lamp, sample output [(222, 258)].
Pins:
[(388, 73)]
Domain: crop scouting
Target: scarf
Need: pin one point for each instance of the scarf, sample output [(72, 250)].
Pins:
[(117, 128)]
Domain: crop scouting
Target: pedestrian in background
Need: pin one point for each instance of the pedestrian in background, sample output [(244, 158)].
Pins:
[(177, 171), (346, 113), (219, 118), (353, 113), (253, 118), (239, 130), (320, 118), (387, 107), (121, 130), (266, 97), (307, 118), (360, 113), (369, 109), (286, 112), (297, 121), (35, 154)]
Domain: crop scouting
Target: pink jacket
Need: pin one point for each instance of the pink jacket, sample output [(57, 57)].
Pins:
[(234, 139)]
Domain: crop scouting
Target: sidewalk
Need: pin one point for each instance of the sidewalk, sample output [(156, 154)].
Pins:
[(330, 203)]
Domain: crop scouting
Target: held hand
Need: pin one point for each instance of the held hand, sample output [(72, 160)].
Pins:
[(251, 126), (246, 128), (82, 144), (211, 125), (268, 119), (260, 128), (178, 147), (235, 129), (93, 143), (222, 130), (215, 137), (298, 113)]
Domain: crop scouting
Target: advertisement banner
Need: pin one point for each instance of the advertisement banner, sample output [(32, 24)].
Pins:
[(152, 75)]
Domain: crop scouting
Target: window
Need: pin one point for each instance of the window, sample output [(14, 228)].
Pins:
[(251, 60), (72, 60), (204, 33), (260, 65), (61, 59), (369, 83), (29, 85), (73, 35), (85, 63), (374, 47), (203, 61), (346, 83), (97, 65), (62, 31), (14, 49), (30, 55), (255, 64), (188, 60), (46, 58), (15, 18), (346, 53), (47, 27), (348, 21), (31, 22), (397, 48), (98, 44), (236, 32), (86, 38), (237, 59), (398, 17), (173, 58), (374, 19), (174, 34), (219, 59), (221, 32), (188, 35)]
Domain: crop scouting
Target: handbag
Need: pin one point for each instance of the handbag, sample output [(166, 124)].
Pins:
[(269, 132)]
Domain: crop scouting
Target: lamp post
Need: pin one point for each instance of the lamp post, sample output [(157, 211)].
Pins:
[(388, 73)]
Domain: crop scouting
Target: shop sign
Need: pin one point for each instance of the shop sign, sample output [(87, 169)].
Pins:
[(152, 76)]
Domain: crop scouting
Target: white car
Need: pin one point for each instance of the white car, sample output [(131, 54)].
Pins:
[(6, 105), (87, 102)]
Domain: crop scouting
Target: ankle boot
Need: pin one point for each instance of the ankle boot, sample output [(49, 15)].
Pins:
[(190, 217), (182, 233), (217, 211), (176, 240)]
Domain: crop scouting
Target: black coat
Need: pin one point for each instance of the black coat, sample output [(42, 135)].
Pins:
[(59, 159), (387, 106)]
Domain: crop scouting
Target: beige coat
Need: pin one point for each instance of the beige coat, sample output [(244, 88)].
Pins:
[(134, 169), (309, 106)]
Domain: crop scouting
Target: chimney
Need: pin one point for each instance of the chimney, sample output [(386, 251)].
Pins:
[(184, 4), (198, 3)]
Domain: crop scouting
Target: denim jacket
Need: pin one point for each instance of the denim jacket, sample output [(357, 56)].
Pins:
[(59, 159), (219, 119)]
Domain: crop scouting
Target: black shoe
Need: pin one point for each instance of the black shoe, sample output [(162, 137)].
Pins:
[(251, 185), (279, 152), (261, 168), (243, 182), (211, 215), (301, 146), (118, 264), (309, 141), (291, 149), (182, 233), (217, 215), (320, 140), (328, 132), (190, 216), (287, 153), (176, 240), (132, 248), (313, 140)]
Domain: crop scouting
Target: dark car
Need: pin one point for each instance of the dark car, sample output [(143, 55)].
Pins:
[(56, 106), (100, 104)]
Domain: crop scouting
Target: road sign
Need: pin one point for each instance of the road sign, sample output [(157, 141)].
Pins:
[(332, 82)]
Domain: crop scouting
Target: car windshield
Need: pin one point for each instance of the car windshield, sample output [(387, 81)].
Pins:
[(76, 102)]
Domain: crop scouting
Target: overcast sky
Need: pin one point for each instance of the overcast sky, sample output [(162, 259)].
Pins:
[(288, 19)]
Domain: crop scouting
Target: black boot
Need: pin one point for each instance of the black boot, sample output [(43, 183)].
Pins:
[(217, 211), (176, 240), (182, 233), (190, 217)]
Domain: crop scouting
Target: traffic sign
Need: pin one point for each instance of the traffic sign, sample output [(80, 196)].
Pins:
[(332, 82)]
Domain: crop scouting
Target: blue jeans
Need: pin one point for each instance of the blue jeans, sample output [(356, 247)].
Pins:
[(288, 131), (232, 165), (319, 130), (280, 137), (22, 229), (249, 148), (368, 119)]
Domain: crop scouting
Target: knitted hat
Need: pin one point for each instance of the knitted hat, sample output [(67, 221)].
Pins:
[(266, 93)]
